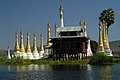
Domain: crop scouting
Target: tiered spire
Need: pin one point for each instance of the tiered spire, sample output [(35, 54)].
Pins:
[(104, 34), (107, 42), (100, 40), (34, 43), (85, 32), (22, 49), (61, 15), (41, 43), (81, 32), (16, 49), (103, 46), (48, 34), (28, 48)]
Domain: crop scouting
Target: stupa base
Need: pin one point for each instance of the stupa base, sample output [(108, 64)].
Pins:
[(36, 55), (29, 56), (41, 54), (108, 52)]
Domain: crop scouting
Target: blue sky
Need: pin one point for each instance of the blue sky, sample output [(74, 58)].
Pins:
[(33, 16)]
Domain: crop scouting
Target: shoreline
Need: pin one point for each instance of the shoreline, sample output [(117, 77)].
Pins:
[(20, 61)]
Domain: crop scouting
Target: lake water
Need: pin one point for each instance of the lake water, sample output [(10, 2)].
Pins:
[(60, 72)]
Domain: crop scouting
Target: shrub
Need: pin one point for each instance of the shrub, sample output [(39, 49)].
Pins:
[(100, 59)]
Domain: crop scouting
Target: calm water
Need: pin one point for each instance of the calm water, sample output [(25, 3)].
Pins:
[(60, 72)]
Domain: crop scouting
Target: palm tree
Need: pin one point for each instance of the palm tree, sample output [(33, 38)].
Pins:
[(108, 16)]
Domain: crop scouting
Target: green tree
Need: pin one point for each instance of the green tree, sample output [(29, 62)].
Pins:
[(100, 59), (94, 45), (108, 16)]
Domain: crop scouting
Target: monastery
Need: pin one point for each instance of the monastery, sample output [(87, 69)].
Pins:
[(70, 42)]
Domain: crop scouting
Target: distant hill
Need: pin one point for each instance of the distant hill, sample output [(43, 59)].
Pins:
[(3, 53), (115, 46)]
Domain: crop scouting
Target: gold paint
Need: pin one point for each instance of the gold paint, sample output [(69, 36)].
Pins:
[(85, 26), (104, 34), (28, 48), (81, 33), (107, 42), (41, 42), (22, 50), (85, 23), (16, 49), (48, 34), (100, 40), (80, 23), (34, 43)]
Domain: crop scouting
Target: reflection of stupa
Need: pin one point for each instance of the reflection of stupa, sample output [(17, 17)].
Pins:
[(103, 43)]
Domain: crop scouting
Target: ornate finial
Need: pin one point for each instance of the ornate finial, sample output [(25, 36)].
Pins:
[(48, 34), (16, 33), (61, 15), (80, 23), (85, 32), (34, 43), (61, 7), (16, 49), (21, 33), (85, 23), (48, 24), (34, 34), (28, 34)]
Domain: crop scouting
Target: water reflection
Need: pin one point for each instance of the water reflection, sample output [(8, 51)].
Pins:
[(101, 73), (59, 72), (9, 67), (105, 73), (32, 67), (71, 72)]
